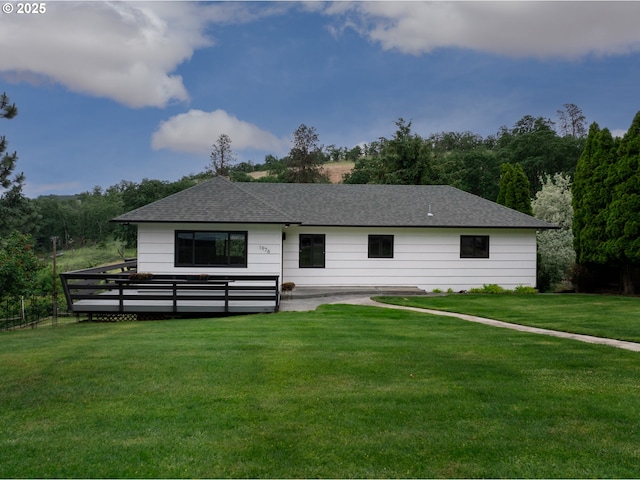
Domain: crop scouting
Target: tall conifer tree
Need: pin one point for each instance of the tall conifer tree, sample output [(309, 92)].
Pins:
[(16, 211), (8, 110), (623, 220), (592, 196), (514, 188)]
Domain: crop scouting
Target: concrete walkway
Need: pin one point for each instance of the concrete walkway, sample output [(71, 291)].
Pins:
[(312, 302)]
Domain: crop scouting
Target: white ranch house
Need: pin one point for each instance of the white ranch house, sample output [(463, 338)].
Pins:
[(328, 235)]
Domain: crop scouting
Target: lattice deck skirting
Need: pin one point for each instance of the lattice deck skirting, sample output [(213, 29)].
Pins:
[(121, 317)]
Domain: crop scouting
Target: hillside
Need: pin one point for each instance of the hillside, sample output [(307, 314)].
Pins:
[(335, 170)]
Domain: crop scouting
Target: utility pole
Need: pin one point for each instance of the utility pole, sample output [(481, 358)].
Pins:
[(54, 318)]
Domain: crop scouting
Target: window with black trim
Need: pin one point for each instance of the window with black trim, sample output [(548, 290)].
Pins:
[(211, 249), (380, 246), (474, 246), (311, 250)]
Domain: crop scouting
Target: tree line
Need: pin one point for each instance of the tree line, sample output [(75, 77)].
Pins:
[(464, 160), (529, 167)]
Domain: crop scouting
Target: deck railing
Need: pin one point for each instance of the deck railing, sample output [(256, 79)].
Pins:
[(120, 289)]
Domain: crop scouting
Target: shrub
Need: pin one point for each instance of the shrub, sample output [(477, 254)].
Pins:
[(525, 290), (491, 288), (19, 265), (140, 276)]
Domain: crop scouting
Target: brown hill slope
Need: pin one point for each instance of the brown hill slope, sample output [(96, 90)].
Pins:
[(335, 170)]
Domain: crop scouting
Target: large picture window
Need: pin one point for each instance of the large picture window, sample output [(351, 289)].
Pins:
[(311, 250), (211, 249), (474, 246), (380, 246)]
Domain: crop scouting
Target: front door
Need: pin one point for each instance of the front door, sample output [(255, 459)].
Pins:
[(312, 251)]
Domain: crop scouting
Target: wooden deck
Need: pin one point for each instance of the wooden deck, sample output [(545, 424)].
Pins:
[(119, 289)]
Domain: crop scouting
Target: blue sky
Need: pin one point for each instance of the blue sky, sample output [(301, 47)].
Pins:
[(111, 91)]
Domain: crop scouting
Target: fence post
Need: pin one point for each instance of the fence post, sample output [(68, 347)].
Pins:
[(54, 318)]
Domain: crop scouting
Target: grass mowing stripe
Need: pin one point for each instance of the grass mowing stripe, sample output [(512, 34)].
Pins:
[(344, 391)]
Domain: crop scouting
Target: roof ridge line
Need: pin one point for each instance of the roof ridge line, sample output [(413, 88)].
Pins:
[(262, 200)]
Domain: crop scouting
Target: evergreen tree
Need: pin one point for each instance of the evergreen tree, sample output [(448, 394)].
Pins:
[(16, 211), (592, 196), (7, 161), (623, 220), (506, 175), (405, 159), (514, 188)]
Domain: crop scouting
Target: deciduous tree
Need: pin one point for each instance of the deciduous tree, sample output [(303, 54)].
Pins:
[(556, 256), (572, 121), (305, 159), (18, 265), (535, 145)]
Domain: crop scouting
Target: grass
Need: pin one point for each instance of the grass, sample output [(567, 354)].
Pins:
[(88, 257), (598, 315), (344, 391)]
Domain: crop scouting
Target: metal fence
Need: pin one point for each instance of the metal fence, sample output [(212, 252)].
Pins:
[(29, 311)]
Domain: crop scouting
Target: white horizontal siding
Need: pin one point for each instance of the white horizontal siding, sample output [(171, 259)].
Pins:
[(156, 249), (427, 258)]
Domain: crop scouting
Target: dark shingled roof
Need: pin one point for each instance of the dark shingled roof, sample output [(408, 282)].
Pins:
[(221, 201)]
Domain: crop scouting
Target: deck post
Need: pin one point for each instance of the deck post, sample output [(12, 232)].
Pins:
[(226, 297), (175, 297)]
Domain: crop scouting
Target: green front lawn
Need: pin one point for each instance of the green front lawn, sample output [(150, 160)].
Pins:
[(599, 315), (345, 391)]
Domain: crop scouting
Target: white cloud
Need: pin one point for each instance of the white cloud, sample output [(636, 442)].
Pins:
[(525, 28), (125, 51), (116, 50), (196, 131)]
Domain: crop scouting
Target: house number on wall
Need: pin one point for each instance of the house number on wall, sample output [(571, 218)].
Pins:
[(264, 249)]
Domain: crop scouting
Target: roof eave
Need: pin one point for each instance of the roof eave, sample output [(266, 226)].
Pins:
[(502, 227), (235, 222)]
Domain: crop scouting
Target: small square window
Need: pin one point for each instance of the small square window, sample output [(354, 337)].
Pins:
[(474, 246), (380, 246)]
